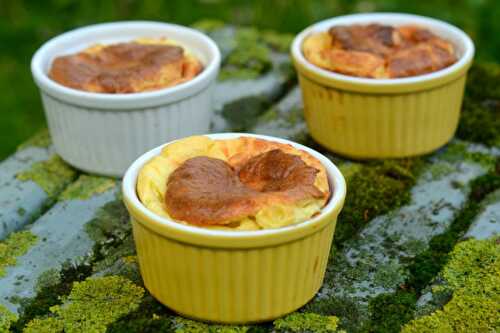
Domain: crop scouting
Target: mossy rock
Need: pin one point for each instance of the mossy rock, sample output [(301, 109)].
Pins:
[(380, 274), (472, 274)]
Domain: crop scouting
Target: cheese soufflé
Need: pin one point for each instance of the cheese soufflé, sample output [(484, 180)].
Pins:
[(245, 183), (137, 66), (379, 51)]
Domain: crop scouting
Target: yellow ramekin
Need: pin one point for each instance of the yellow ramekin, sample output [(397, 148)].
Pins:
[(383, 118), (233, 276)]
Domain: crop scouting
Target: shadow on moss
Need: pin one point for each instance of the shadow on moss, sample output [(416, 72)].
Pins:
[(389, 311), (480, 120)]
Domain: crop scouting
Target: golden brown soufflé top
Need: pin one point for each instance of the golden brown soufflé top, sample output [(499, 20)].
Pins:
[(240, 184), (137, 66), (379, 51)]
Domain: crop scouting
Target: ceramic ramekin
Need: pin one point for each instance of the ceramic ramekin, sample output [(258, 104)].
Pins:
[(233, 276), (104, 133), (380, 118)]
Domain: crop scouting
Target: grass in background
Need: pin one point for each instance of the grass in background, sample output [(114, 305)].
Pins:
[(25, 25)]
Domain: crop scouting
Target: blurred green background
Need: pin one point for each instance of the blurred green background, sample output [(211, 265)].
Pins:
[(25, 25)]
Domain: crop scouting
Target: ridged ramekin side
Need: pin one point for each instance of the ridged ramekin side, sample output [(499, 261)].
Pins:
[(231, 285), (107, 141), (363, 125)]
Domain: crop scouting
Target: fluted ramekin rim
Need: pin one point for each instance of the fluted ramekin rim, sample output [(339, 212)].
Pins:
[(303, 65), (122, 30), (187, 233)]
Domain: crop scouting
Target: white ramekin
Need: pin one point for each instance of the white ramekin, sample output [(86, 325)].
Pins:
[(104, 133), (383, 118), (233, 276)]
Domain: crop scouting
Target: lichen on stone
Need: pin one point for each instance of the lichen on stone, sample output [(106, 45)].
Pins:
[(457, 151), (184, 325), (6, 319), (87, 186), (110, 229), (440, 169), (14, 246), (91, 306), (40, 139), (111, 258), (307, 322), (51, 290), (51, 175), (428, 263), (473, 275), (112, 219), (389, 274)]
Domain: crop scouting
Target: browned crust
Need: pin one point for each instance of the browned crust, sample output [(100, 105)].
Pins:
[(210, 191), (125, 68), (379, 51)]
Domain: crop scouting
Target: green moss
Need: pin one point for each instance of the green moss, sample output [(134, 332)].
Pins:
[(307, 322), (473, 274), (348, 170), (428, 263), (116, 250), (91, 306), (14, 246), (270, 115), (111, 231), (111, 220), (388, 312), (184, 325), (208, 25), (149, 317), (440, 169), (349, 312), (480, 119), (389, 274), (474, 266), (21, 211), (373, 190), (87, 186), (251, 56), (414, 246), (457, 151), (6, 319), (40, 139), (51, 175), (482, 81), (278, 41), (50, 292), (47, 279), (249, 59)]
